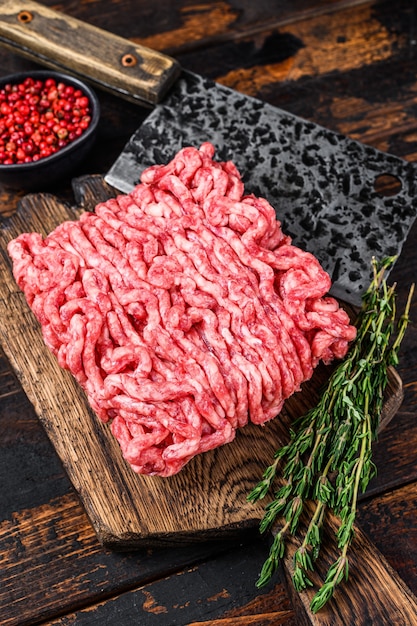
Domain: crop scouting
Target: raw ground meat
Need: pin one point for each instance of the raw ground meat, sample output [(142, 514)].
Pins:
[(182, 309)]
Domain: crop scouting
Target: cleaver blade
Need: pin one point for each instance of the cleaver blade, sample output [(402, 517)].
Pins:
[(322, 185)]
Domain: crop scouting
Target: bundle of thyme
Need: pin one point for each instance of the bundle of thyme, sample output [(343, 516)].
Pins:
[(328, 459)]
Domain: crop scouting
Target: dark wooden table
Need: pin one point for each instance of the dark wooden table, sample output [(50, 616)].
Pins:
[(350, 65)]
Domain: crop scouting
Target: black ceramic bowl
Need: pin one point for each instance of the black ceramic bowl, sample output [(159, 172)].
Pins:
[(41, 174)]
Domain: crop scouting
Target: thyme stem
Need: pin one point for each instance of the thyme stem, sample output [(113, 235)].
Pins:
[(329, 456)]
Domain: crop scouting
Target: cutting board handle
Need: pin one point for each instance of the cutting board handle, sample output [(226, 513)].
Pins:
[(66, 44)]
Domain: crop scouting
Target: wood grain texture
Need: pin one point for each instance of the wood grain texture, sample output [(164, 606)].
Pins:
[(67, 44), (53, 553), (391, 522), (375, 593), (198, 596)]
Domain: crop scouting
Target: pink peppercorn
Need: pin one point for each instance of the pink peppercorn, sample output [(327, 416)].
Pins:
[(37, 118)]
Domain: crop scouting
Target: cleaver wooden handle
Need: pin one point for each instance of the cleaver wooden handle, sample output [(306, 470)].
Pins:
[(66, 44)]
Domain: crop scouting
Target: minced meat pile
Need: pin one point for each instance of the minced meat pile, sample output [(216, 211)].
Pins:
[(182, 309)]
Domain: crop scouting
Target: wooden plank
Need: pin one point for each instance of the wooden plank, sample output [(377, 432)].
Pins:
[(215, 593), (371, 597), (217, 587), (390, 520), (189, 25), (64, 43), (393, 455), (52, 562), (318, 68)]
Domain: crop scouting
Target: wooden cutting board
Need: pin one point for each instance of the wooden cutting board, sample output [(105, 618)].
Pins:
[(207, 499)]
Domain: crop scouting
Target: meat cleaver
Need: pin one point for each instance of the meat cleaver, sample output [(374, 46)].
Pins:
[(324, 186)]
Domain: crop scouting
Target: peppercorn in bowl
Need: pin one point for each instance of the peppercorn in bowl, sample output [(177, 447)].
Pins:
[(48, 124)]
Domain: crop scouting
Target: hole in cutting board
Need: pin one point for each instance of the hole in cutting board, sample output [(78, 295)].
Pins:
[(387, 185)]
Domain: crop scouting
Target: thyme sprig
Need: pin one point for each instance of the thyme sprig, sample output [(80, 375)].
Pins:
[(328, 459)]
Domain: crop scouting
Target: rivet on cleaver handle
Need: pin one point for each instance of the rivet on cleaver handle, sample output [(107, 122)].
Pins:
[(90, 53)]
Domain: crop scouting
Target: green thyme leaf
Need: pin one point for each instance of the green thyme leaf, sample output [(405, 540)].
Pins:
[(329, 455)]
